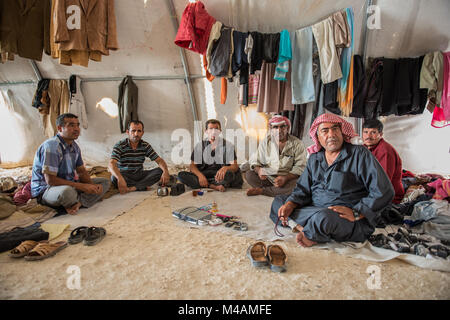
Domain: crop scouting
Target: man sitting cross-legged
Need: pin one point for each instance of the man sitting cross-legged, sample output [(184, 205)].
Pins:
[(127, 159)]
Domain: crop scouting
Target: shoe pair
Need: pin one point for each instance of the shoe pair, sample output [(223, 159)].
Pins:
[(262, 256), (89, 235), (33, 250)]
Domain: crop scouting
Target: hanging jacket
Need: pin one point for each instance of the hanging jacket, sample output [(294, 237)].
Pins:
[(25, 28), (374, 89), (220, 63), (359, 87), (127, 103)]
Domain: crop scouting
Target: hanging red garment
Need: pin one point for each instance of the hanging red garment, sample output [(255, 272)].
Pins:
[(195, 27), (223, 90)]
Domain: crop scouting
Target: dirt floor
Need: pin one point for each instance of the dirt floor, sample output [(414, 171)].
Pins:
[(145, 255)]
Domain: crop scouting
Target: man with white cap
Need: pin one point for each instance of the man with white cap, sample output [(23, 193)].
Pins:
[(280, 160)]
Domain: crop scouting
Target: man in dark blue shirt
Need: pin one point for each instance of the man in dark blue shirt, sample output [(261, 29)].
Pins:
[(341, 191)]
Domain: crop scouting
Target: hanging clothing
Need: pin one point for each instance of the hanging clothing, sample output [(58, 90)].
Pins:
[(273, 96), (97, 31), (375, 85), (58, 93), (253, 87), (221, 53), (343, 21), (431, 78), (127, 103), (239, 58), (302, 66), (284, 55), (359, 87), (329, 60), (40, 99), (67, 58), (25, 28), (265, 48), (213, 37), (297, 119), (195, 27), (77, 104)]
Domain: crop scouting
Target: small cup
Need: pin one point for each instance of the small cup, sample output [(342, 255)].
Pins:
[(194, 193)]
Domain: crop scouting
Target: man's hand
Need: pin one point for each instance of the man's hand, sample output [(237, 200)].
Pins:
[(203, 181), (280, 181), (220, 175), (262, 174), (344, 212), (165, 178), (122, 185), (285, 211), (92, 188)]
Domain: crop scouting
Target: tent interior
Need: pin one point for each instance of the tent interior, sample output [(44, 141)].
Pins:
[(176, 98)]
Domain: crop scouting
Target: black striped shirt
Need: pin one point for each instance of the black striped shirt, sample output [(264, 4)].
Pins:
[(129, 159)]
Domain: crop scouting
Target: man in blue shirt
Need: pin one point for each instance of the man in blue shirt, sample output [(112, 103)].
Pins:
[(341, 191), (59, 177)]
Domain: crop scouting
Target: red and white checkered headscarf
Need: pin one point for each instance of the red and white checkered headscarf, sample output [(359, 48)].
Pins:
[(347, 130), (277, 120)]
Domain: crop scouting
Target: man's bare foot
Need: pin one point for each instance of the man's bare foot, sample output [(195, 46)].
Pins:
[(304, 241), (254, 191), (218, 188), (74, 209), (131, 189)]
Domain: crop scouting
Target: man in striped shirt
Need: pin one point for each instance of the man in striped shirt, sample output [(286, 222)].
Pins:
[(127, 159)]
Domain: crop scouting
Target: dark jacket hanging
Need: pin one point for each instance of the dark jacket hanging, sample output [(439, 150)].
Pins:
[(127, 103)]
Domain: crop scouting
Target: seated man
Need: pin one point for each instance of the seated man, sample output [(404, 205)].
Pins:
[(280, 160), (386, 155), (340, 193), (59, 177), (127, 159), (213, 162)]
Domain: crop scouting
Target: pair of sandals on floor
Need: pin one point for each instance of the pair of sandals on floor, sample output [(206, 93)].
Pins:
[(34, 250), (272, 256)]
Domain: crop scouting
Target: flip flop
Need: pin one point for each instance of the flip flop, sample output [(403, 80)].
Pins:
[(45, 250), (94, 235), (77, 235), (24, 248)]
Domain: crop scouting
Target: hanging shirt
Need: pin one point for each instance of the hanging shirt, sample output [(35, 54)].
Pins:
[(391, 162), (195, 27), (354, 180)]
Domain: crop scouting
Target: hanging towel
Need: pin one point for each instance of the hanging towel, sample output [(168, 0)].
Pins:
[(329, 60), (345, 84), (302, 70), (284, 55)]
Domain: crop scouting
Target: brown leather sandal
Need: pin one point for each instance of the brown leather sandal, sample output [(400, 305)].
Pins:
[(24, 248), (277, 258), (45, 250), (257, 253)]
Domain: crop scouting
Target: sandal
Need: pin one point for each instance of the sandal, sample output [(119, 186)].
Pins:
[(45, 250), (242, 226), (94, 235), (77, 235), (257, 253), (277, 258), (24, 248)]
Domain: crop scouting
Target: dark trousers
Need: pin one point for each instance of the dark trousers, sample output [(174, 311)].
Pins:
[(140, 179), (324, 225), (231, 180)]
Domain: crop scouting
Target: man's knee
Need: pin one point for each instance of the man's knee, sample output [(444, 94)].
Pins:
[(105, 183), (68, 196)]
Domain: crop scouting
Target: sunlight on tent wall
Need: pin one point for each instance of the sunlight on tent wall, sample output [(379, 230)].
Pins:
[(108, 106), (253, 123)]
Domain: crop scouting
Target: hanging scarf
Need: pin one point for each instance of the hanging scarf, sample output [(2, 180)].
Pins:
[(345, 91)]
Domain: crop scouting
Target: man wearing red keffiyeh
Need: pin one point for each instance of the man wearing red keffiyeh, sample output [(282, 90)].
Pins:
[(341, 191)]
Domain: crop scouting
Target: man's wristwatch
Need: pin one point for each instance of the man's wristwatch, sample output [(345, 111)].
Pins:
[(356, 215)]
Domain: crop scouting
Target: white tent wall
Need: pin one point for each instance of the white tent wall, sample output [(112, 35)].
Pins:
[(145, 33)]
